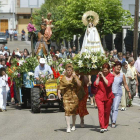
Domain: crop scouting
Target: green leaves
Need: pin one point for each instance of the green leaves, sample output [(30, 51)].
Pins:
[(67, 16)]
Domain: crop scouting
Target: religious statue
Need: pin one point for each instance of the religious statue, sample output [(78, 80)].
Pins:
[(41, 47), (49, 26), (92, 41)]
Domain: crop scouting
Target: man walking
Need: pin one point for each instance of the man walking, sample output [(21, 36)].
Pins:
[(137, 66), (11, 34), (134, 80)]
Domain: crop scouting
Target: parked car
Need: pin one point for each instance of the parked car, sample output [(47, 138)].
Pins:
[(3, 38)]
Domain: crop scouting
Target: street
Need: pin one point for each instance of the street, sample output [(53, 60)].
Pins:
[(22, 124)]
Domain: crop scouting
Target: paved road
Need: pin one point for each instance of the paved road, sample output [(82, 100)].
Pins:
[(17, 124), (13, 45), (22, 124)]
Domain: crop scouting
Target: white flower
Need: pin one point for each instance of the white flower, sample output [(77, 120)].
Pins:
[(94, 66), (94, 59), (21, 62), (80, 63), (30, 73), (87, 56), (63, 60)]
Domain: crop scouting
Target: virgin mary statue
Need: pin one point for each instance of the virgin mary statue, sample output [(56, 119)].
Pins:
[(92, 41)]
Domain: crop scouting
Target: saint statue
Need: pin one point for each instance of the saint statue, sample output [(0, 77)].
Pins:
[(92, 41), (49, 26), (41, 47)]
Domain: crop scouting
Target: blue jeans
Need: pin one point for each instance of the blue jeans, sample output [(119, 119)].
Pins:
[(114, 108)]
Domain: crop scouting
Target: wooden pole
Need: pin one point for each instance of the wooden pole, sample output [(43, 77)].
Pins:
[(135, 43)]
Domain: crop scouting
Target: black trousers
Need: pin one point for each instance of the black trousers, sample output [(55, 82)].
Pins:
[(11, 37)]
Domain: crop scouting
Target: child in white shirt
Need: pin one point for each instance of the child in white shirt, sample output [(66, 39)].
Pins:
[(3, 92)]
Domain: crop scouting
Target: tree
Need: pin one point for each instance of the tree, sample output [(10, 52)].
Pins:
[(68, 15)]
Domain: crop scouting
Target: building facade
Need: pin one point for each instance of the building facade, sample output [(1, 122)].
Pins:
[(7, 15), (15, 14)]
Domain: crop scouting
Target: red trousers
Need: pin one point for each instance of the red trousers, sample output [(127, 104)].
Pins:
[(104, 108), (11, 85)]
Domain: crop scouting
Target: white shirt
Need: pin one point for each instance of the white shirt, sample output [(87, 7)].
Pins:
[(5, 52), (10, 32), (3, 80)]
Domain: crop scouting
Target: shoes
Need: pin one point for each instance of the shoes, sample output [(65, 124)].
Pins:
[(92, 104), (105, 130), (87, 99), (113, 125), (4, 110), (73, 128), (123, 109), (68, 130), (12, 100), (82, 124), (7, 104), (101, 130)]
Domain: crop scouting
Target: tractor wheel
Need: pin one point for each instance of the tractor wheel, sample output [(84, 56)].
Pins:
[(35, 100)]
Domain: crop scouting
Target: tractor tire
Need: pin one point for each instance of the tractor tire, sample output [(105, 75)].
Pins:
[(35, 100)]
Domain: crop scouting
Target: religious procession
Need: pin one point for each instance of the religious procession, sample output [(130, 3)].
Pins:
[(69, 78)]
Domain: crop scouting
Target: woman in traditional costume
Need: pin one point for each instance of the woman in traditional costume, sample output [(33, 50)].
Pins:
[(82, 107), (92, 41), (69, 86)]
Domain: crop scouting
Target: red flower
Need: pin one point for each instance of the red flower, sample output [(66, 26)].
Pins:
[(17, 64)]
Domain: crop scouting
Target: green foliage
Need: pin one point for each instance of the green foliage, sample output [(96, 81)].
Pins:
[(29, 65), (68, 14)]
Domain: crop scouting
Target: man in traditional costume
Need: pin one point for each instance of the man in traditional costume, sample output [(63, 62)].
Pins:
[(92, 41)]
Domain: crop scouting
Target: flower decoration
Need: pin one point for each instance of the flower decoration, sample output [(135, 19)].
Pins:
[(31, 28)]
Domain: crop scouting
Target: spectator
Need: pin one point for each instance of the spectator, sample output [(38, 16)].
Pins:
[(127, 55), (115, 53), (115, 59), (74, 50), (7, 34), (3, 63), (26, 50), (120, 59), (11, 34), (128, 75), (22, 54), (107, 53), (134, 80), (70, 54), (137, 66), (5, 53), (3, 93), (52, 51), (25, 55), (63, 54), (0, 63), (58, 52)]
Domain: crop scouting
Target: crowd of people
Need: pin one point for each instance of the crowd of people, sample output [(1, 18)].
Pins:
[(114, 84)]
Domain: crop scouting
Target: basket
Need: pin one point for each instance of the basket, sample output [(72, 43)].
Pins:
[(92, 72)]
